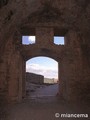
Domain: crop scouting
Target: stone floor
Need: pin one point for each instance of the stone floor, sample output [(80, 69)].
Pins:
[(44, 91), (45, 108), (35, 110)]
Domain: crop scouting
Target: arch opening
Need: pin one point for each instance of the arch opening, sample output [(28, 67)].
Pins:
[(41, 77)]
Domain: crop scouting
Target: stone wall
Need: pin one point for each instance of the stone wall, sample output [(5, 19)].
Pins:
[(11, 71), (45, 18), (50, 80), (34, 78)]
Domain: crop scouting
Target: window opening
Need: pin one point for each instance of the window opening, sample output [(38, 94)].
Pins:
[(58, 40), (26, 40)]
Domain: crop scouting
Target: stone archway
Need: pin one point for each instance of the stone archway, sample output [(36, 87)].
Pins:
[(44, 46), (40, 52), (42, 71), (73, 58)]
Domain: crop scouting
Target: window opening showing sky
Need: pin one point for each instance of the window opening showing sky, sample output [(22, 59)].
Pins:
[(44, 66), (26, 40), (58, 40)]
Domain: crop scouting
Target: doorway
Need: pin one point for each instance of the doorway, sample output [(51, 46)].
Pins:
[(42, 78)]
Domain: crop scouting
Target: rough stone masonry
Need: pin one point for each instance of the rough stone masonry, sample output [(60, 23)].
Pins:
[(45, 19)]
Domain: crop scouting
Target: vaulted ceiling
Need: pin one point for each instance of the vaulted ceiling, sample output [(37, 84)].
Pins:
[(66, 14)]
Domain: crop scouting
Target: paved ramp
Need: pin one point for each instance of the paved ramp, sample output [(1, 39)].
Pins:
[(45, 93)]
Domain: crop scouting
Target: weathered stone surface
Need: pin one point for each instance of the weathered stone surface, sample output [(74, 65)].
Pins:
[(34, 78), (45, 18)]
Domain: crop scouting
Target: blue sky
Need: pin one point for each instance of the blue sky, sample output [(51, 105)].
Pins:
[(28, 40), (42, 65), (31, 40), (59, 40)]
